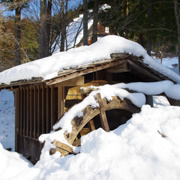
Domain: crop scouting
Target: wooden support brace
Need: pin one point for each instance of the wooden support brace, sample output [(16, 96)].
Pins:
[(103, 117)]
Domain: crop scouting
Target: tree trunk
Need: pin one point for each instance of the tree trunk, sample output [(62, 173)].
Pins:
[(18, 36), (95, 20), (85, 23), (43, 37), (149, 14), (49, 10), (63, 27), (177, 15)]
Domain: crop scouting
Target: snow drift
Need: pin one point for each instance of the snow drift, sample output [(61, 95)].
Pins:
[(146, 147)]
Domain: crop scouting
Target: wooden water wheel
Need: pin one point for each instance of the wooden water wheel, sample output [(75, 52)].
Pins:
[(87, 120)]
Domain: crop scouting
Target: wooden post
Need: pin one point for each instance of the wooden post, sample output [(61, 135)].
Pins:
[(31, 111), (47, 110), (35, 113), (103, 117), (60, 101), (20, 112), (16, 118), (24, 111), (43, 110), (27, 114), (38, 112), (149, 100), (52, 106), (92, 126)]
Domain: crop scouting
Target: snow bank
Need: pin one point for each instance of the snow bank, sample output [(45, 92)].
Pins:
[(50, 66), (133, 151), (11, 164)]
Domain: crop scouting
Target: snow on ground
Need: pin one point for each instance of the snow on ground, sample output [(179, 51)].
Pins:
[(133, 151), (11, 164), (7, 118), (49, 67), (171, 63)]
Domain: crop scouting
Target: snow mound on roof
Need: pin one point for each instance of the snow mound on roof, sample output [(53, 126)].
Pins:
[(49, 67), (133, 151)]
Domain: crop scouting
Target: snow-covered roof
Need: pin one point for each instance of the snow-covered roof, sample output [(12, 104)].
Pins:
[(49, 67)]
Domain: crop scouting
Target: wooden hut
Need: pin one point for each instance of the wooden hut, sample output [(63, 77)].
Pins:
[(40, 103)]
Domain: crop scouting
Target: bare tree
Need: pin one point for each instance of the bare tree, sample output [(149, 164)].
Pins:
[(43, 36), (85, 23), (95, 20)]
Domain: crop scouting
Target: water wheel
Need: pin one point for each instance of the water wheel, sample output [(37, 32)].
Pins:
[(87, 120)]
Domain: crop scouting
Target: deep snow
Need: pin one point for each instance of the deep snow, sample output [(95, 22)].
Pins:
[(133, 151)]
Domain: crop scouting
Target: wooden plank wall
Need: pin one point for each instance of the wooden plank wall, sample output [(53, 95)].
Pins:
[(36, 111)]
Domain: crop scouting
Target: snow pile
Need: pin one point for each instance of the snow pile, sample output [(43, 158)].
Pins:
[(146, 147), (49, 67), (7, 121), (11, 164), (154, 88), (107, 91)]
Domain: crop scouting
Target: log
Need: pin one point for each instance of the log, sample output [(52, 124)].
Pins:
[(87, 90)]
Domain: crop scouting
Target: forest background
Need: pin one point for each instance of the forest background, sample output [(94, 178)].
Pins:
[(33, 29)]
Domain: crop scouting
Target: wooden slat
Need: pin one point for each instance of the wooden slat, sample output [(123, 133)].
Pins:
[(27, 112), (47, 110), (38, 111), (92, 126), (20, 112), (103, 117), (35, 113), (24, 111), (16, 119), (52, 106), (31, 112), (43, 109)]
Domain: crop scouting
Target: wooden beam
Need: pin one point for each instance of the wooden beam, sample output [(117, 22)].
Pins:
[(124, 67), (78, 81), (84, 71), (143, 71), (103, 117), (92, 126), (60, 101)]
